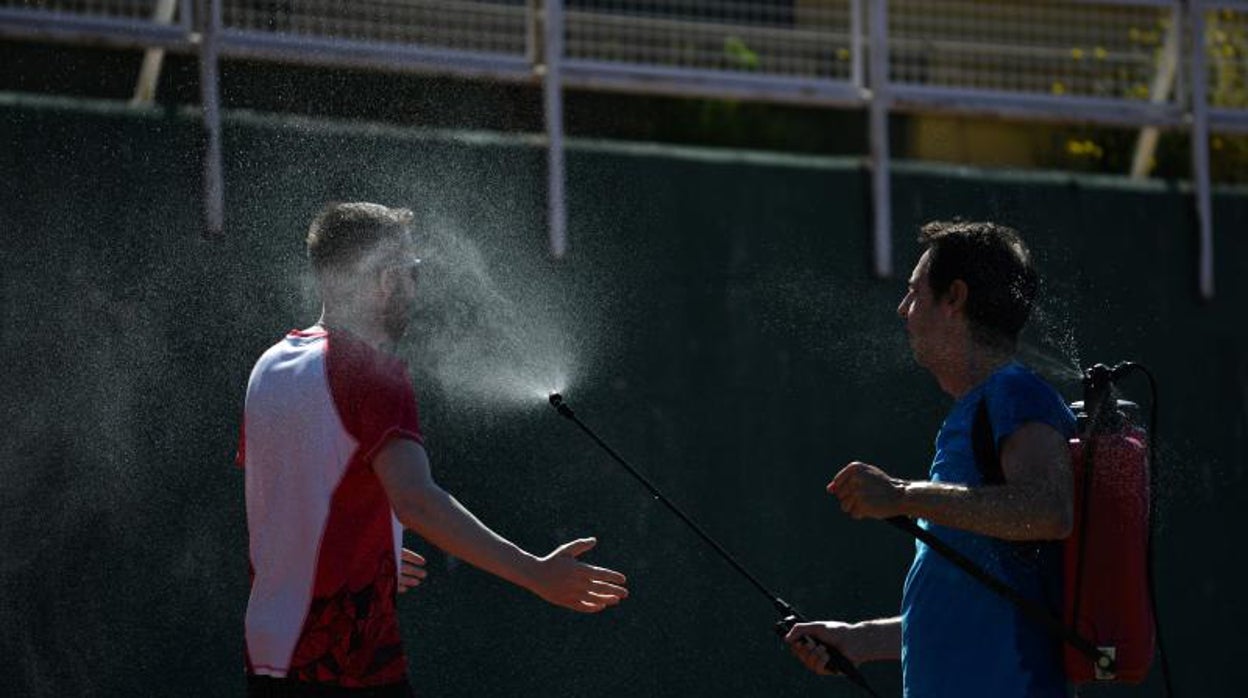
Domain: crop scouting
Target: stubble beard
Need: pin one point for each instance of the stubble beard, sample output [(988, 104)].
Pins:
[(395, 320)]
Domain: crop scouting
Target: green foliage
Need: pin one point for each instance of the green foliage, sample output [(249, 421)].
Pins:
[(1227, 49), (1103, 149), (739, 54)]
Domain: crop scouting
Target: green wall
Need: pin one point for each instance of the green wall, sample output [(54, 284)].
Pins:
[(729, 339)]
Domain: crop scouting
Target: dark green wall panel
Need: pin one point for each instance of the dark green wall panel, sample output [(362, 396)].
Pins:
[(729, 337)]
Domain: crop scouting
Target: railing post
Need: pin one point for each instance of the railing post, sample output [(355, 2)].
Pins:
[(1202, 186), (556, 204), (209, 78), (533, 42), (881, 192), (153, 58), (856, 42), (1159, 93), (186, 15)]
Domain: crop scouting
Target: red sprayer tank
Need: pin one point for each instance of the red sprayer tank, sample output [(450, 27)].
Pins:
[(1106, 595)]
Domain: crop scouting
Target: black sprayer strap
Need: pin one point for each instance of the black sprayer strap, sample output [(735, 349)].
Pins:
[(1153, 495), (988, 463), (1029, 608), (984, 445), (837, 661)]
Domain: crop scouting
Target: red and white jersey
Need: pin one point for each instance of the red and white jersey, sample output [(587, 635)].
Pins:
[(324, 540)]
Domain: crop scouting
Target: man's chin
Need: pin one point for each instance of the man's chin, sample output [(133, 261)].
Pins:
[(917, 356)]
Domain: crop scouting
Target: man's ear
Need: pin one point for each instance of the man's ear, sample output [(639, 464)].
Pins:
[(955, 298)]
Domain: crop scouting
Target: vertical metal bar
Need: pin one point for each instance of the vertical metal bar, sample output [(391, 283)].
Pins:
[(855, 43), (153, 58), (214, 205), (881, 193), (533, 41), (185, 17), (556, 205), (1159, 93), (1200, 145)]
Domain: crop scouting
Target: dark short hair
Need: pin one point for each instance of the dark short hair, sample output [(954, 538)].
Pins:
[(342, 235), (996, 266)]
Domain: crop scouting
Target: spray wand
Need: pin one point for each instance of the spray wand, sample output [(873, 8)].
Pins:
[(837, 661)]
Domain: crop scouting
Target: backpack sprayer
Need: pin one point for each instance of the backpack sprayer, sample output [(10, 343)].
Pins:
[(1108, 623), (837, 661)]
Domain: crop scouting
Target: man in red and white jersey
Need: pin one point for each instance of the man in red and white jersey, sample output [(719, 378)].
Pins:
[(335, 469)]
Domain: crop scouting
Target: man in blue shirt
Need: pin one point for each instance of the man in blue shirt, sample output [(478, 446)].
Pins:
[(969, 296)]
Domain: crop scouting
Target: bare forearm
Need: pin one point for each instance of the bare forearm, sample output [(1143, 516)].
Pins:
[(1001, 511), (881, 639), (421, 505), (868, 641), (440, 519)]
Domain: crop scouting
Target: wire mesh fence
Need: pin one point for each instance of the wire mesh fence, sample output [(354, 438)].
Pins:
[(1104, 50), (1129, 51), (494, 26), (123, 9), (801, 38), (1226, 52)]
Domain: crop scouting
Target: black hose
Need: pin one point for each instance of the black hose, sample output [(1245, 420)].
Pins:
[(1123, 369), (837, 661)]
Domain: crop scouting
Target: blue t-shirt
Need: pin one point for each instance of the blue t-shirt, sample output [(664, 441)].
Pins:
[(958, 637)]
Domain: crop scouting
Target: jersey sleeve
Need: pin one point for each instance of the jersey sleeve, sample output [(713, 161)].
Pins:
[(1020, 397), (374, 396)]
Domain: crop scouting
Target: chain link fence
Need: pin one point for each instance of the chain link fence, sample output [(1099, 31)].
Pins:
[(1122, 51), (1112, 50), (1226, 49), (466, 25), (1103, 50), (808, 39), (124, 9)]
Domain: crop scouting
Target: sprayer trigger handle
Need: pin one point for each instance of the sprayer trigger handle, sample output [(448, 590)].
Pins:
[(837, 662), (782, 627)]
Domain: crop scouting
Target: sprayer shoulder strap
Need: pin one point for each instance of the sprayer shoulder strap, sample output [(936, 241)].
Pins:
[(984, 446), (988, 463)]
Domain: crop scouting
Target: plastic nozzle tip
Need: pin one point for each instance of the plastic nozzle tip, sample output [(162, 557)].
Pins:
[(556, 401)]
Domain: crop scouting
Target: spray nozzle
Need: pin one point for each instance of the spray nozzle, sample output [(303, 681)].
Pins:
[(1098, 384), (556, 401), (1100, 376)]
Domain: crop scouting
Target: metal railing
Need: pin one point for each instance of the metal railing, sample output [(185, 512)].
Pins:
[(1141, 63)]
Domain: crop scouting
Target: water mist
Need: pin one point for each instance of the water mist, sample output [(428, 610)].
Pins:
[(486, 341)]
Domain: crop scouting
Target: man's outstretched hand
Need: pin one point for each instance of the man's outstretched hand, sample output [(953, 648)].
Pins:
[(563, 580)]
